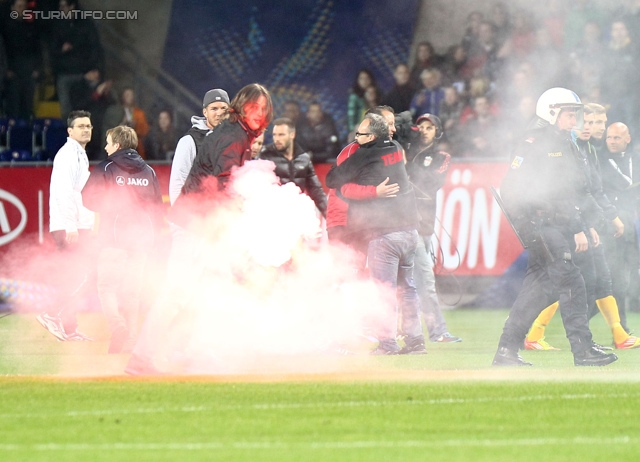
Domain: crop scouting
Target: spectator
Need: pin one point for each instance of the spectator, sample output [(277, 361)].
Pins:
[(478, 133), (426, 58), (579, 13), (125, 191), (372, 97), (483, 56), (454, 68), (24, 60), (399, 97), (553, 21), (478, 86), (621, 76), (317, 134), (94, 94), (590, 49), (293, 164), (356, 104), (547, 57), (256, 146), (521, 39), (292, 112), (428, 99), (500, 17), (127, 113), (450, 111), (75, 50), (472, 31), (162, 138)]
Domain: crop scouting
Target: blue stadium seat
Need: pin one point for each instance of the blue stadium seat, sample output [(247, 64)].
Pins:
[(22, 155), (49, 135), (54, 137), (19, 135), (4, 127)]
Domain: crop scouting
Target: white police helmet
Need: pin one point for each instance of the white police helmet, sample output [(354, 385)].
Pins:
[(552, 101)]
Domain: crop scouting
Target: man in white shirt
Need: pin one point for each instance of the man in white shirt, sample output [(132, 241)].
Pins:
[(70, 224)]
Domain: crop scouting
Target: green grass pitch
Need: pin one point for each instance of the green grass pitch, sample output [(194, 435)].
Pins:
[(448, 405)]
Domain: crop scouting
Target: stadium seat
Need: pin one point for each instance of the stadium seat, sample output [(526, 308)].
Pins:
[(4, 126), (49, 135), (22, 155), (19, 135), (55, 136)]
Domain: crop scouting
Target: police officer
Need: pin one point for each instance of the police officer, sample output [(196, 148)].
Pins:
[(541, 193)]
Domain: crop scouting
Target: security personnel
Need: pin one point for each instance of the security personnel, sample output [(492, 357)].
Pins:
[(541, 193), (620, 174), (604, 224)]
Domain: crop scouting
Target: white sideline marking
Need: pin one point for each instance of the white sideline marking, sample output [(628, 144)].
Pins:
[(580, 440), (320, 405)]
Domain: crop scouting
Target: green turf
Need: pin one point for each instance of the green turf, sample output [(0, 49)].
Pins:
[(318, 421), (454, 407)]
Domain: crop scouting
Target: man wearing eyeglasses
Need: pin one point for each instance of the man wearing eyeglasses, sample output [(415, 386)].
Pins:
[(389, 225), (70, 225)]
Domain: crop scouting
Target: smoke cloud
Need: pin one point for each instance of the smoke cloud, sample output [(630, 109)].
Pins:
[(261, 288)]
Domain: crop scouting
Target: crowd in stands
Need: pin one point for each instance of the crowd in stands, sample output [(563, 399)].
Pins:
[(483, 87), (68, 53)]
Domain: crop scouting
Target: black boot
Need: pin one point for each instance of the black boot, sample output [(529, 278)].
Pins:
[(509, 357), (593, 357)]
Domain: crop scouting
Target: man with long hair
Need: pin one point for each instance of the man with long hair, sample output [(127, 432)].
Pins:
[(228, 146)]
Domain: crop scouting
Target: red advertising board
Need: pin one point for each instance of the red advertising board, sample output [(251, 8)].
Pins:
[(24, 202), (473, 235)]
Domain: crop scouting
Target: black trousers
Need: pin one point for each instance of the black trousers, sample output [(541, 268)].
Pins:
[(595, 272), (622, 257), (551, 276)]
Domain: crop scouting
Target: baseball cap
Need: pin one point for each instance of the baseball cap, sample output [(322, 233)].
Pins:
[(430, 117), (217, 94)]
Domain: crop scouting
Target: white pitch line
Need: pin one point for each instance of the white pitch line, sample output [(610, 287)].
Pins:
[(320, 405), (245, 445)]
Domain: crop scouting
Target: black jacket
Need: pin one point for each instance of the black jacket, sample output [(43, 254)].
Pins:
[(320, 141), (620, 182), (370, 165), (228, 146), (545, 179), (607, 210), (125, 191), (299, 171), (427, 168), (86, 53), (399, 97)]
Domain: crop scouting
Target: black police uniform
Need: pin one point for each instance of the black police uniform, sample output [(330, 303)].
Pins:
[(541, 193)]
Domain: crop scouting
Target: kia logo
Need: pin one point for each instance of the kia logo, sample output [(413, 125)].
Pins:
[(6, 233)]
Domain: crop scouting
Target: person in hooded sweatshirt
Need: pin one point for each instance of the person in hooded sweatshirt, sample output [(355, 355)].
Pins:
[(125, 192), (215, 108)]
